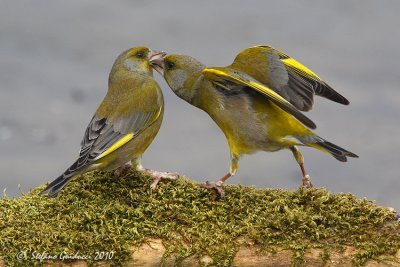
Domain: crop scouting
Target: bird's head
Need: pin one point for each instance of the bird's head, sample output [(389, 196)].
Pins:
[(137, 60), (181, 73)]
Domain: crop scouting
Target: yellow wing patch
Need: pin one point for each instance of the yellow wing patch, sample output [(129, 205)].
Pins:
[(292, 63), (125, 139), (298, 67), (215, 75)]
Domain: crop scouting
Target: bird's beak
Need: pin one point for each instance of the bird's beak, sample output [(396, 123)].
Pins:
[(156, 59)]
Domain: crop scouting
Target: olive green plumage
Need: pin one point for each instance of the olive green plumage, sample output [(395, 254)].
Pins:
[(285, 75), (126, 121), (256, 101)]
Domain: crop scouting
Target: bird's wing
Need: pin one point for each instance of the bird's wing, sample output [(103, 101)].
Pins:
[(103, 136), (300, 83), (223, 76)]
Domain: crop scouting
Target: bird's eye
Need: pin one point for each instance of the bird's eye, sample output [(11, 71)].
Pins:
[(139, 54), (169, 65)]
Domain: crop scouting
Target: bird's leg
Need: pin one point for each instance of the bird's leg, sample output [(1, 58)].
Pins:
[(156, 175), (217, 186), (121, 169), (300, 160)]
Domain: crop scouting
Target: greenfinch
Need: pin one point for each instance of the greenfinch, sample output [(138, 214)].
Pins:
[(255, 102), (125, 123)]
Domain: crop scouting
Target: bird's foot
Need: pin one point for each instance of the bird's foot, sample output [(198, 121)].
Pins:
[(158, 176), (307, 181), (217, 186), (122, 169)]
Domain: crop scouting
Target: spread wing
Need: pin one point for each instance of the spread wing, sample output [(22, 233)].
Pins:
[(222, 76), (295, 82), (103, 136)]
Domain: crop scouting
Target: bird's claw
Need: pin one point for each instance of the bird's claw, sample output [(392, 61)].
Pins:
[(158, 176), (307, 181), (215, 186)]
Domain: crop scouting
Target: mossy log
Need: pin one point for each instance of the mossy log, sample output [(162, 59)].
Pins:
[(102, 220)]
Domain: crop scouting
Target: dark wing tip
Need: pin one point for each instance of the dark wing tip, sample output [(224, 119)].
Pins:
[(304, 119), (328, 92), (44, 191), (49, 191), (352, 155), (310, 124)]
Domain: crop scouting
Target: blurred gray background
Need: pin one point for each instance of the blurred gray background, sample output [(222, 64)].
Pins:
[(55, 57)]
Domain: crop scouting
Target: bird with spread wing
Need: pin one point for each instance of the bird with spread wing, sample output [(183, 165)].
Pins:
[(256, 102)]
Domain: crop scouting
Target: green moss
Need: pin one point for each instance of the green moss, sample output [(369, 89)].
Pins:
[(91, 214)]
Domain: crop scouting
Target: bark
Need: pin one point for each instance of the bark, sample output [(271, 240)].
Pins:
[(151, 255)]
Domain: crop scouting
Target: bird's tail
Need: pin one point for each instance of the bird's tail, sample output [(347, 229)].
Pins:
[(337, 152), (58, 184)]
